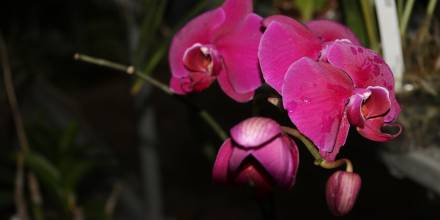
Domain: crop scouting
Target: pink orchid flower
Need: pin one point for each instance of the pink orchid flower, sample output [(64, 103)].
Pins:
[(220, 44), (285, 40), (258, 153), (350, 85)]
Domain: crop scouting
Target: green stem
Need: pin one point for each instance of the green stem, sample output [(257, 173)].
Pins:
[(164, 88), (213, 124), (405, 17), (319, 161), (368, 13), (337, 163), (309, 145)]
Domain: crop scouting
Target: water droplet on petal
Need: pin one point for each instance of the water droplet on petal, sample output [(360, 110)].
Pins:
[(306, 100)]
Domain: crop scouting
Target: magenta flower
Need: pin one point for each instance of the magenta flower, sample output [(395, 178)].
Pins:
[(354, 87), (220, 44), (285, 41), (257, 153), (329, 31), (341, 192)]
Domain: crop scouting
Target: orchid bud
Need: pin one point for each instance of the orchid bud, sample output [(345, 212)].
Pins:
[(341, 192), (258, 154)]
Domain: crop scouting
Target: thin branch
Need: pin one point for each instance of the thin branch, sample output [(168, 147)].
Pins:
[(130, 70), (112, 200), (319, 161), (20, 201), (37, 201)]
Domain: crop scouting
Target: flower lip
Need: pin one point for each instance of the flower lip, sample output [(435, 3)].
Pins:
[(367, 104), (202, 58), (254, 132), (251, 171)]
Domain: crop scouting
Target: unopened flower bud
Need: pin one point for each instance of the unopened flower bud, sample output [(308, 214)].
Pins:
[(258, 153), (341, 192)]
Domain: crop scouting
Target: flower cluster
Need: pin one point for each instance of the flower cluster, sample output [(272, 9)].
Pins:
[(326, 79)]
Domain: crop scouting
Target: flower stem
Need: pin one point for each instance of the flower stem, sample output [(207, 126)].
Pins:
[(319, 161), (337, 163), (19, 197), (130, 70), (309, 145)]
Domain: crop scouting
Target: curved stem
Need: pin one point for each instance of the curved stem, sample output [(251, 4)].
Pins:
[(337, 163), (130, 70), (319, 161), (309, 145), (19, 197)]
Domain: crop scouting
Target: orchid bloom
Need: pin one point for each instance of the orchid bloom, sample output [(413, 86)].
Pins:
[(220, 44), (285, 41), (258, 153), (350, 85)]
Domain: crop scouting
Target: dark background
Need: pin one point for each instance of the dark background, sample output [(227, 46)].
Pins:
[(56, 94)]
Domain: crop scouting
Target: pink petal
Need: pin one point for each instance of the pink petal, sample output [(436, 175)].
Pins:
[(227, 88), (364, 66), (200, 81), (238, 156), (329, 30), (344, 128), (288, 21), (281, 45), (176, 86), (255, 131), (315, 95), (239, 50), (354, 109), (221, 164), (394, 110), (198, 30), (235, 12), (373, 130), (280, 159)]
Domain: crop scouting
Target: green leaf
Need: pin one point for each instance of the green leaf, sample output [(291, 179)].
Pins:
[(351, 11), (46, 172), (308, 7)]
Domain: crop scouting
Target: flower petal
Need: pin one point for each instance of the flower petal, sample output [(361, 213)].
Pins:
[(288, 21), (180, 86), (373, 130), (221, 164), (280, 159), (239, 50), (235, 12), (394, 110), (321, 91), (365, 68), (227, 88), (344, 128), (255, 131), (354, 109), (329, 30), (198, 30), (281, 45)]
